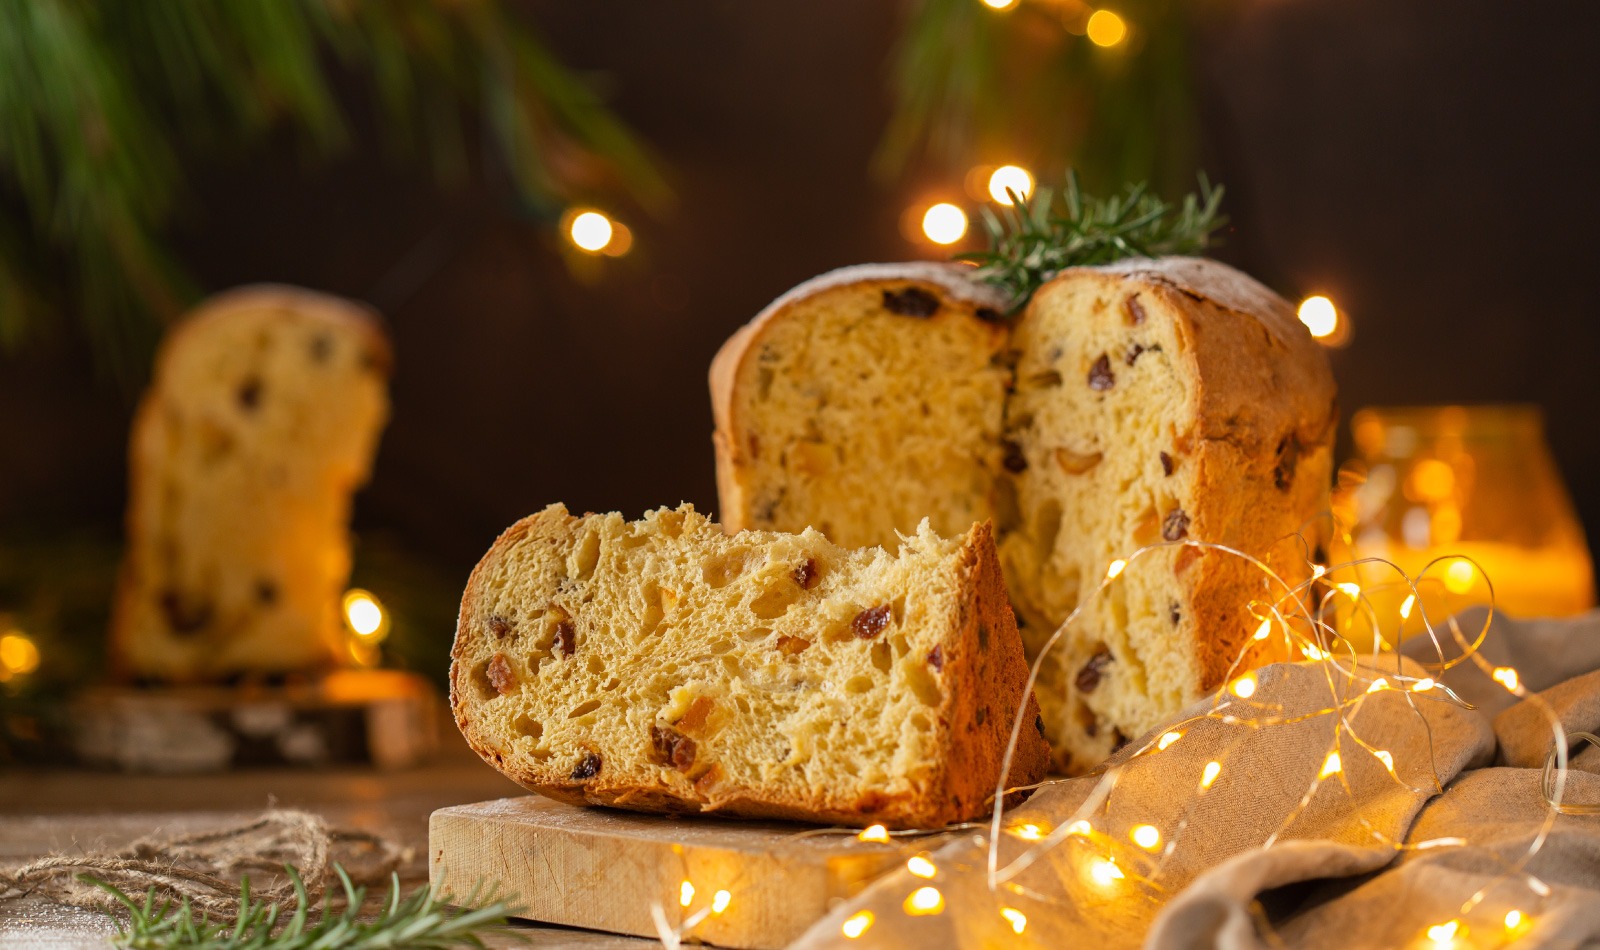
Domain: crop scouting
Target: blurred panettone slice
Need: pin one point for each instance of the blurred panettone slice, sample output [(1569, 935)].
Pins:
[(260, 423)]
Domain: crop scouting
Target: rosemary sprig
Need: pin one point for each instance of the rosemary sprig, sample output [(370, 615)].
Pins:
[(420, 922), (1030, 241)]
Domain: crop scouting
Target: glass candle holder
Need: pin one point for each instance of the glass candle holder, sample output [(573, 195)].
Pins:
[(1474, 481)]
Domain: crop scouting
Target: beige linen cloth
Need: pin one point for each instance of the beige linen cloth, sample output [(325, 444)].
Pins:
[(1369, 858)]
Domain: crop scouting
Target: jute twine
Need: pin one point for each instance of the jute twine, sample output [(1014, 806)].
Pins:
[(206, 868)]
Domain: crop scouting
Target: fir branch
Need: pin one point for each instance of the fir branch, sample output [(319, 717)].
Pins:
[(420, 922), (1031, 240)]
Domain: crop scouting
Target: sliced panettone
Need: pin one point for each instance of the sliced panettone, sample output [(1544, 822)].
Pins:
[(1141, 402), (867, 399), (260, 423), (663, 665)]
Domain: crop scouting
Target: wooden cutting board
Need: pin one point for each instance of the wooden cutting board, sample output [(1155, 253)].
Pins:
[(603, 869)]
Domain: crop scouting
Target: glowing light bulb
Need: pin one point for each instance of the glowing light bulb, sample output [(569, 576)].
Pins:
[(1320, 316), (1378, 685), (1406, 605), (1028, 832), (365, 615), (1444, 933), (1115, 568), (921, 867), (924, 901), (856, 924), (1168, 739), (1105, 872), (1330, 766), (1507, 677), (1016, 918), (720, 901), (876, 833), (1458, 577), (1106, 28), (1209, 776), (1147, 837), (1422, 685), (1352, 590), (1263, 631), (1081, 828), (1245, 686), (685, 894), (999, 4), (1513, 919), (18, 655), (1385, 758), (1311, 652), (590, 231), (944, 223), (1432, 480), (1010, 178)]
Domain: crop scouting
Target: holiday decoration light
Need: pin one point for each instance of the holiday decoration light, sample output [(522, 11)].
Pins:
[(876, 833), (1245, 686), (1444, 934), (1106, 28), (590, 230), (944, 223), (720, 901), (924, 901), (1423, 685), (1320, 316), (1507, 677), (1115, 568), (1513, 919), (1406, 605), (1029, 832), (1458, 577), (1378, 685), (856, 924), (1385, 758), (1080, 827), (1167, 739), (1016, 918), (999, 4), (921, 867), (1105, 872), (1209, 776), (1263, 631), (685, 894), (1009, 179), (1330, 766), (1147, 837), (18, 655), (365, 615)]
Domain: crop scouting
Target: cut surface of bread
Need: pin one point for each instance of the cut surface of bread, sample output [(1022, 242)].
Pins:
[(1142, 402), (663, 665), (871, 398), (260, 422)]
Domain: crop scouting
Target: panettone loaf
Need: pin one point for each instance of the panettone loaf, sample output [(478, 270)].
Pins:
[(662, 665), (260, 422), (1144, 401)]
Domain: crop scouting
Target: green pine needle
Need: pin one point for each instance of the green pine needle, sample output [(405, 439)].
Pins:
[(1032, 240), (419, 922)]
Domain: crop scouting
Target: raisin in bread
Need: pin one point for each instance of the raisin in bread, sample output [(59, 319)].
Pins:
[(1146, 400), (663, 665), (260, 422), (868, 399)]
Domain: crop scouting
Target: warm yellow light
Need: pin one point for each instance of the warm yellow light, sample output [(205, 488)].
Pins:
[(1445, 932), (1116, 568), (924, 901), (1422, 685), (685, 894), (1320, 316), (1352, 590), (944, 223), (1007, 179), (921, 867), (1317, 570), (1378, 685), (1245, 686), (1147, 837), (365, 615), (1458, 577), (1406, 605), (1311, 652), (1016, 918), (1105, 872), (18, 655), (1106, 28), (856, 924), (1432, 480), (1385, 758), (1330, 766), (874, 833), (999, 4), (590, 231), (1028, 832), (1507, 677), (720, 901), (1080, 827), (1513, 919), (1209, 776), (1264, 631), (1168, 739)]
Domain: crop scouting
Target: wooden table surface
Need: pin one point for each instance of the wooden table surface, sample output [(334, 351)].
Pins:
[(43, 812)]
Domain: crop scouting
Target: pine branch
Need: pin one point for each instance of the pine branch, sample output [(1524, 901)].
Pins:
[(1031, 240), (419, 922)]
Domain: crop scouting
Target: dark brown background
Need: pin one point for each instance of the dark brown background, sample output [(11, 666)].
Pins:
[(1432, 166)]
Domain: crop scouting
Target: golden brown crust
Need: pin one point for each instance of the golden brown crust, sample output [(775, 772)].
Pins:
[(220, 306), (984, 669)]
